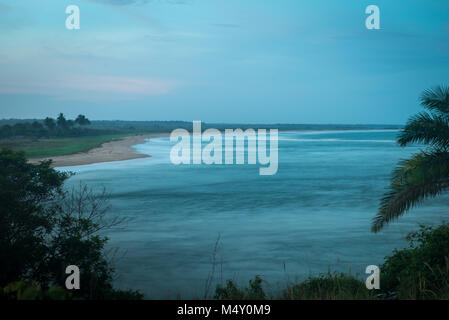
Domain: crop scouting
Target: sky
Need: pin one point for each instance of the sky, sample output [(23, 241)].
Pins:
[(245, 61)]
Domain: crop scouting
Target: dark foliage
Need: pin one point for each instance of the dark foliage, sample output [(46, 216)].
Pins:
[(426, 174), (420, 271), (44, 229), (49, 127)]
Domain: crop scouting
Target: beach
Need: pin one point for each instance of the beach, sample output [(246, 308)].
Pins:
[(108, 152)]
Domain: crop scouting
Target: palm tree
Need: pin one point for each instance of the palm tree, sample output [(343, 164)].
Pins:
[(425, 174)]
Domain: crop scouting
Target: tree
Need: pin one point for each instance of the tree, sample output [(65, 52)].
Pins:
[(70, 124), (6, 131), (37, 126), (61, 121), (37, 129), (24, 220), (82, 120), (425, 174), (21, 129), (44, 229), (50, 123), (421, 270)]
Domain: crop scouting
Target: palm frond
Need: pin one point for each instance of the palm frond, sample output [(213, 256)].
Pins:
[(436, 100), (425, 175), (426, 128)]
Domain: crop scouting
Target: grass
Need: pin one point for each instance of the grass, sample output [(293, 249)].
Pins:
[(417, 272), (330, 286), (38, 148)]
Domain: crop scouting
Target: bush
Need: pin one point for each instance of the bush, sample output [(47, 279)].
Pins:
[(420, 271), (31, 290), (337, 286), (232, 292), (44, 229)]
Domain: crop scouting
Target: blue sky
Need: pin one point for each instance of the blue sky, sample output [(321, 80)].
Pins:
[(249, 61)]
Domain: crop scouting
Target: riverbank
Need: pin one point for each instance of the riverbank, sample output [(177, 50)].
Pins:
[(118, 150)]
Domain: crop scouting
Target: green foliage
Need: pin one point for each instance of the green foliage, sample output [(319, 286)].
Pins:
[(232, 292), (44, 229), (57, 293), (336, 286), (123, 295), (82, 120), (58, 146), (47, 128), (426, 174), (420, 271), (30, 290), (24, 220), (61, 121), (50, 123), (21, 290)]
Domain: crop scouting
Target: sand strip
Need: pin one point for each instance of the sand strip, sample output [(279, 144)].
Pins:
[(110, 151)]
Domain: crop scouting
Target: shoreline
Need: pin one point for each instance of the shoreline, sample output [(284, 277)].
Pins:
[(119, 150), (122, 150)]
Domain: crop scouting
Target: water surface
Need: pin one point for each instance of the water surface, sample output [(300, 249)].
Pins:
[(312, 216)]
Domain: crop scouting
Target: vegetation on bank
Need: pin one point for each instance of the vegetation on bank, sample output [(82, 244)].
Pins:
[(49, 127), (51, 147), (49, 137), (45, 228), (55, 137), (419, 271)]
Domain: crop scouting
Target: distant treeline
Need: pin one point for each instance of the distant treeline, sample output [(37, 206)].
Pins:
[(82, 126), (168, 126), (48, 127)]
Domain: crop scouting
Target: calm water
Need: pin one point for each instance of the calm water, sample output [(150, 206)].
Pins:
[(313, 215)]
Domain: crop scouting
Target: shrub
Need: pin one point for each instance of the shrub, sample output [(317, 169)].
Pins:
[(420, 271), (232, 292), (336, 286), (44, 229), (31, 290)]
